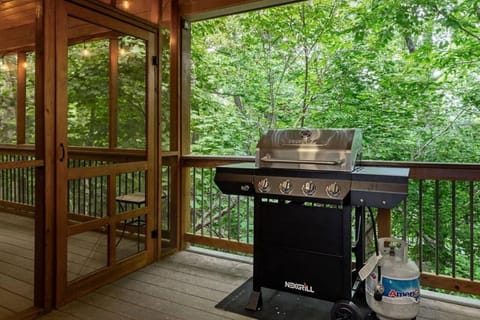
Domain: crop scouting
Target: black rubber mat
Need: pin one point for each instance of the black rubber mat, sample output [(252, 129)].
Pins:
[(276, 305)]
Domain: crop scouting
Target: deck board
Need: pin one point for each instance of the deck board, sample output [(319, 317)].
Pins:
[(84, 310), (14, 302), (5, 313), (183, 286), (170, 286), (169, 304), (16, 264), (188, 285), (86, 253)]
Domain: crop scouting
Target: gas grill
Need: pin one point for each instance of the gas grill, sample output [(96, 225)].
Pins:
[(308, 193)]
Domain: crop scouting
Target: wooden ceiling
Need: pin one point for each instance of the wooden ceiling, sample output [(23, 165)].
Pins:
[(17, 17), (15, 13), (17, 27), (17, 23), (195, 10)]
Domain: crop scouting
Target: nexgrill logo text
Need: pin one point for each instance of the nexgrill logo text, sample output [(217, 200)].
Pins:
[(299, 286)]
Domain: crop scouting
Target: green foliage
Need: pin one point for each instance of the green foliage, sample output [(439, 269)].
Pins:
[(89, 95), (30, 100), (8, 96), (132, 98), (165, 89), (405, 73)]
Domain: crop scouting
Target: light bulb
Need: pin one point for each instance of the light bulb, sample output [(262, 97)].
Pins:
[(85, 52), (3, 65)]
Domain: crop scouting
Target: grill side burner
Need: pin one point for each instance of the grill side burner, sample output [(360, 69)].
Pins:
[(307, 193)]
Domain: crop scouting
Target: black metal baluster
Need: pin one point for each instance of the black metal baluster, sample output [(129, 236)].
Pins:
[(210, 187), (95, 195), (454, 228), (472, 220), (220, 196), (202, 206), (229, 217), (437, 227), (194, 212), (420, 224)]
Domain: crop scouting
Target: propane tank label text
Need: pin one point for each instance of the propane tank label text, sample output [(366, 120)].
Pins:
[(401, 288), (299, 286)]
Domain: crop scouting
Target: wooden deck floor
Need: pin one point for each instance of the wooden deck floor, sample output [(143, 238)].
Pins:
[(186, 285), (16, 264), (183, 286), (86, 252)]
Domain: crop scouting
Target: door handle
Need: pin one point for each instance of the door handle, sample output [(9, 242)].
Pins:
[(62, 156)]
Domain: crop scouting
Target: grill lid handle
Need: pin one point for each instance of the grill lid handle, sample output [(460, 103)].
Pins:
[(318, 162)]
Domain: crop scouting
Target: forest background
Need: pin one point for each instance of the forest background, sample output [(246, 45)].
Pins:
[(406, 73)]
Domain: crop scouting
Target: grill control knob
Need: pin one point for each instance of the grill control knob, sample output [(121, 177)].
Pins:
[(263, 185), (333, 190), (309, 188), (286, 187)]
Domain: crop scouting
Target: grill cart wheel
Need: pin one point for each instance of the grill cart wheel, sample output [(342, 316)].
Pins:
[(345, 310)]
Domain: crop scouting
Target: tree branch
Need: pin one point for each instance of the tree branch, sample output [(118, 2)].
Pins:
[(410, 44), (441, 133), (455, 20)]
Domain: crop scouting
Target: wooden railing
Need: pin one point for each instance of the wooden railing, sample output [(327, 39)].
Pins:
[(440, 219), (87, 197), (17, 179)]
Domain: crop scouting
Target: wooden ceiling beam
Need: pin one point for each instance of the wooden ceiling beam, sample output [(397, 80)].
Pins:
[(195, 10)]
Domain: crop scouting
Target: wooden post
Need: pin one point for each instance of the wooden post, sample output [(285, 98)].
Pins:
[(384, 223)]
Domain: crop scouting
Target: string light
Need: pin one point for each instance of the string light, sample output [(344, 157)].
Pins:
[(122, 51), (85, 51), (126, 4), (3, 65)]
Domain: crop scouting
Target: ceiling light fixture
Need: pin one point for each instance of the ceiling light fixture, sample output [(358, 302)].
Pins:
[(85, 51), (3, 65)]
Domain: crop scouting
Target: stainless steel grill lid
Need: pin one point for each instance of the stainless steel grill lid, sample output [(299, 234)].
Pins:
[(312, 149)]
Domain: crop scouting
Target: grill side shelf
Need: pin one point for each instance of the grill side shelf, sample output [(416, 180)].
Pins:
[(379, 187), (235, 179)]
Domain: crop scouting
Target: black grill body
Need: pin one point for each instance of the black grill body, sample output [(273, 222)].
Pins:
[(308, 193), (303, 258), (303, 245)]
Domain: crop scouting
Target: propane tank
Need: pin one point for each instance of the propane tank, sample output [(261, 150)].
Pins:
[(397, 294)]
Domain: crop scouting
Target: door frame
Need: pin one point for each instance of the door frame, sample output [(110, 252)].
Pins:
[(65, 291)]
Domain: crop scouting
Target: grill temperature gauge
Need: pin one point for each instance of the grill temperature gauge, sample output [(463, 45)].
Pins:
[(309, 188), (263, 185)]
